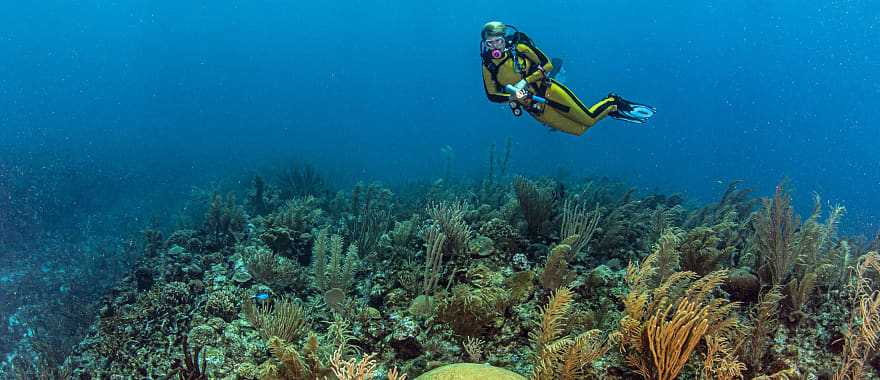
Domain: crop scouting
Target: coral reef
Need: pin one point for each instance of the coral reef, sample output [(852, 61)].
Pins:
[(508, 278)]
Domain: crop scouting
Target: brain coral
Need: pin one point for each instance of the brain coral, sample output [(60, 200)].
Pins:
[(469, 371)]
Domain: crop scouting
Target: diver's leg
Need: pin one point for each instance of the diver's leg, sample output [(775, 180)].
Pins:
[(557, 120), (577, 111)]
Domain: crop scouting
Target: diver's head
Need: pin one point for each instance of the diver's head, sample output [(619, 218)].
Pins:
[(493, 35), (493, 28)]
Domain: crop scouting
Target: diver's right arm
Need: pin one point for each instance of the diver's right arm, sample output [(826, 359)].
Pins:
[(492, 88)]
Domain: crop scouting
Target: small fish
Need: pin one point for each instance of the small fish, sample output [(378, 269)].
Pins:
[(262, 296)]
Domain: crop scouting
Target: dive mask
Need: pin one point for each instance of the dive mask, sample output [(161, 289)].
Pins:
[(495, 45)]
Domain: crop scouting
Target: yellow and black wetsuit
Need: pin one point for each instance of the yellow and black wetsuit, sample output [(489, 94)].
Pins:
[(563, 111)]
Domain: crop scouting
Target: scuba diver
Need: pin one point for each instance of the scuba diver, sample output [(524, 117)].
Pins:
[(515, 71)]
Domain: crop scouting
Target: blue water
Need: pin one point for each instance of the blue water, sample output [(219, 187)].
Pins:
[(113, 112), (154, 97)]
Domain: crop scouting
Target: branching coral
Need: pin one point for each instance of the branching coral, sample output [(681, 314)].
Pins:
[(224, 218), (665, 257), (26, 368), (720, 361), (450, 216), (622, 226), (288, 229), (552, 323), (369, 226), (734, 205), (301, 181), (332, 267), (370, 215), (353, 369), (557, 356), (663, 325), (192, 367), (775, 227), (703, 251), (672, 335), (435, 239), (820, 257), (795, 255), (363, 369), (536, 202), (863, 337), (663, 219), (403, 232), (490, 192), (556, 272), (258, 198), (308, 366), (474, 347), (294, 366), (297, 215), (284, 319), (762, 322), (578, 221), (269, 268)]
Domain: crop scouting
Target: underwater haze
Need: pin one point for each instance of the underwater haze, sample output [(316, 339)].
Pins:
[(752, 91), (118, 117)]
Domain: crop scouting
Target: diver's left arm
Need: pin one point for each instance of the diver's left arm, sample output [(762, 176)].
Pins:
[(541, 61)]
